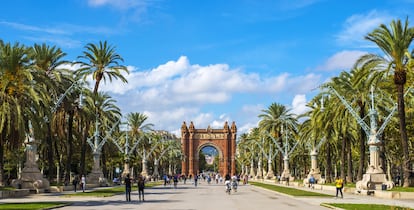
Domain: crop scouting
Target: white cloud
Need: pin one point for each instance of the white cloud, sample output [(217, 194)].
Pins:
[(61, 41), (302, 83), (60, 35), (62, 29), (343, 60), (24, 27), (119, 4), (359, 25), (179, 91), (129, 10), (299, 104)]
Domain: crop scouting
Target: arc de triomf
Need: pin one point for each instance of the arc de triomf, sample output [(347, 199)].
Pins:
[(194, 140)]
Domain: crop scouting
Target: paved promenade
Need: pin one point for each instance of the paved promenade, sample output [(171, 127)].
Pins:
[(205, 197)]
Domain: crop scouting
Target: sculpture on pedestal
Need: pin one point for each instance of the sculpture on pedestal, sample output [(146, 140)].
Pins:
[(31, 177)]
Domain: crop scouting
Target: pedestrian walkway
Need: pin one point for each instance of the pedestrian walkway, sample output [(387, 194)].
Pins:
[(204, 197)]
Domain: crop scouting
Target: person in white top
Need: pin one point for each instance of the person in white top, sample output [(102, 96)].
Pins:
[(83, 183)]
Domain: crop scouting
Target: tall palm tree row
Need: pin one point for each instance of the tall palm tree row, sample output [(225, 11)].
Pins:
[(345, 148), (33, 78), (37, 90), (394, 41)]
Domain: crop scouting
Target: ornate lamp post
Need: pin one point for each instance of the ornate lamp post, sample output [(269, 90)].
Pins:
[(286, 152), (96, 176), (127, 151), (374, 175)]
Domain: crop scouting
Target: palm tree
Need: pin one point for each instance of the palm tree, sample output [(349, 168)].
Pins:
[(141, 129), (108, 114), (20, 98), (102, 62), (272, 120), (47, 60), (394, 43), (312, 132)]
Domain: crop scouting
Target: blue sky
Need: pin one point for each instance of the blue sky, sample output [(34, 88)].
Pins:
[(209, 61)]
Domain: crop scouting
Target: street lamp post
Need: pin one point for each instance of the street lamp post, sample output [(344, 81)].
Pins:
[(374, 175), (96, 176), (127, 151), (286, 153)]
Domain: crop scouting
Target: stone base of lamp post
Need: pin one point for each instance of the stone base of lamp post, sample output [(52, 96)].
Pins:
[(316, 173), (374, 182), (270, 174), (31, 179), (259, 174), (96, 178), (252, 173), (126, 170), (286, 177), (374, 178)]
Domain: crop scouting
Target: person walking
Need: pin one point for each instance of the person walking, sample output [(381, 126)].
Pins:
[(185, 178), (141, 186), (83, 183), (312, 182), (75, 183), (128, 187), (195, 179), (339, 184), (175, 180)]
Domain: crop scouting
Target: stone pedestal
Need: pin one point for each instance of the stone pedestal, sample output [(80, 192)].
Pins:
[(156, 174), (375, 177), (31, 178), (270, 174), (286, 172), (126, 170), (315, 171), (374, 182), (144, 171), (96, 176), (259, 174), (251, 174)]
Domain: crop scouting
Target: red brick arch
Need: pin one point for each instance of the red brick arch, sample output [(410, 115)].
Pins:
[(193, 140)]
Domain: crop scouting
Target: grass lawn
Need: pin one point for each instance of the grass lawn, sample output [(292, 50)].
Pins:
[(7, 188), (36, 205), (349, 206), (288, 190), (403, 189)]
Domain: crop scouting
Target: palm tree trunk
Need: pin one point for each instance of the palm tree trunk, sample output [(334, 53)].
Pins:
[(50, 152), (280, 165), (343, 150), (328, 164), (280, 156), (2, 137), (69, 145), (383, 158), (403, 133), (349, 159), (97, 81), (103, 158), (362, 139), (83, 150)]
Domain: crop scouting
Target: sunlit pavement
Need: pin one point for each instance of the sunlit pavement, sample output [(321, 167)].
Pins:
[(204, 196)]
